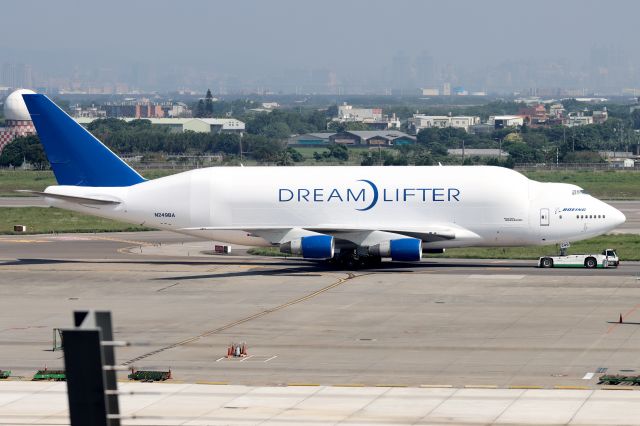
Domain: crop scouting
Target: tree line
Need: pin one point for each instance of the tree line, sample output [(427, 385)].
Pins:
[(267, 132)]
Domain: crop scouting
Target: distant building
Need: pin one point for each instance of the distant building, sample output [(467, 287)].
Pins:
[(535, 115), (347, 113), (556, 111), (600, 117), (502, 121), (177, 110), (430, 92), (198, 125), (579, 119), (133, 109), (477, 152), (17, 121), (310, 139), (420, 121), (372, 138), (372, 117), (446, 89), (88, 112), (460, 91), (137, 109)]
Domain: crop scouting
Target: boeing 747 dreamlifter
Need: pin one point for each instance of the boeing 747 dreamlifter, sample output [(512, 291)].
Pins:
[(354, 214)]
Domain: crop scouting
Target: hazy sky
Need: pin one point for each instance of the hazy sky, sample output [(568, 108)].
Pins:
[(253, 37)]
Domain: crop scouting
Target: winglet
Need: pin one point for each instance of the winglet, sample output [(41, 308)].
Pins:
[(76, 156)]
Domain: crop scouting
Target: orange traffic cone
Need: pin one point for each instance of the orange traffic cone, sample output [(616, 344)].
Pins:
[(244, 350)]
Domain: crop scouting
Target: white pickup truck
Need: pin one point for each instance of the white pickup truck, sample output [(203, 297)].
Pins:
[(607, 259)]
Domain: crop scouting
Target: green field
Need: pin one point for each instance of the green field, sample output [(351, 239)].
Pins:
[(48, 220), (10, 180), (627, 247), (605, 184)]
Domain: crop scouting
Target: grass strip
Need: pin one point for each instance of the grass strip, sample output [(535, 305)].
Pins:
[(44, 220)]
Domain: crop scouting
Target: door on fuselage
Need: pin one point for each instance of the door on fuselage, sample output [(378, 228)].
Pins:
[(544, 217)]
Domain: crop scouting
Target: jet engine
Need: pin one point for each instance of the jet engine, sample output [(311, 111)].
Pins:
[(311, 247), (404, 249)]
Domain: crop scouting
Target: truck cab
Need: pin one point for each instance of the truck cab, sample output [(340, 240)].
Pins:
[(612, 257)]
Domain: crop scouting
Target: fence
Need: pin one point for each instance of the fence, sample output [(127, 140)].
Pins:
[(529, 167)]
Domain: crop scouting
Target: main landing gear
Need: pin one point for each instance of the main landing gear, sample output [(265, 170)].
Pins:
[(350, 259)]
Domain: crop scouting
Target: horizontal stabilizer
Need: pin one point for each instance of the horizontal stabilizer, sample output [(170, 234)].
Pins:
[(71, 198)]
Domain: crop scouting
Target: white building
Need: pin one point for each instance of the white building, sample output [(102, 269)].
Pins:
[(556, 110), (430, 92), (420, 121), (370, 116), (179, 109), (199, 125), (270, 105), (347, 113), (502, 121), (477, 152), (579, 120)]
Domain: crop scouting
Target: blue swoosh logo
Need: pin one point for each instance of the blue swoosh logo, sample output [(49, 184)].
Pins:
[(374, 188)]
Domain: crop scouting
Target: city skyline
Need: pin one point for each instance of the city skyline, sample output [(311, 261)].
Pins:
[(332, 48)]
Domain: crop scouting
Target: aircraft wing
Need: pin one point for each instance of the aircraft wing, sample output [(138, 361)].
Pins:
[(345, 234)]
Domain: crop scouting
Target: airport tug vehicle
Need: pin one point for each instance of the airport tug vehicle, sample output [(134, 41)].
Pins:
[(607, 259)]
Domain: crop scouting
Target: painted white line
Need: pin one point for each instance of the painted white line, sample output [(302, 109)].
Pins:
[(588, 376), (246, 358), (269, 359), (496, 277), (221, 358)]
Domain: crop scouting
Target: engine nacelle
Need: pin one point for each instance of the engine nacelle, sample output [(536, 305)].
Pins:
[(404, 249), (311, 247)]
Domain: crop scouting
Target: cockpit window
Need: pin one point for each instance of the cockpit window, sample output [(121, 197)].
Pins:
[(579, 192)]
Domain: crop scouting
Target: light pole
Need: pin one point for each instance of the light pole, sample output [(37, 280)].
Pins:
[(500, 147)]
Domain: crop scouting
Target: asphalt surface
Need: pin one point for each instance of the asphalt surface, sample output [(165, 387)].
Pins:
[(438, 322)]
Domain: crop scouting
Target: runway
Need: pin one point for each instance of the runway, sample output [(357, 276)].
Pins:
[(446, 322)]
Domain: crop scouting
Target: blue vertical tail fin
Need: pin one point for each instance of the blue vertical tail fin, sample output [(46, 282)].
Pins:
[(76, 156)]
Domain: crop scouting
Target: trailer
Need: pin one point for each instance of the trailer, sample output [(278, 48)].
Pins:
[(607, 259)]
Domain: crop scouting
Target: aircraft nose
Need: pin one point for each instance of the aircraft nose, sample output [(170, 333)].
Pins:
[(617, 217)]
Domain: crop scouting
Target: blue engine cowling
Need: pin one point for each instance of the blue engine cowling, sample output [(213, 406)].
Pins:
[(402, 249), (311, 247)]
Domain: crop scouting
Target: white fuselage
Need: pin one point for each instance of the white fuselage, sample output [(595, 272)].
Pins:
[(484, 206)]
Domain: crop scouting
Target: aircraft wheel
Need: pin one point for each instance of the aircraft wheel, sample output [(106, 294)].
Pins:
[(546, 262)]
